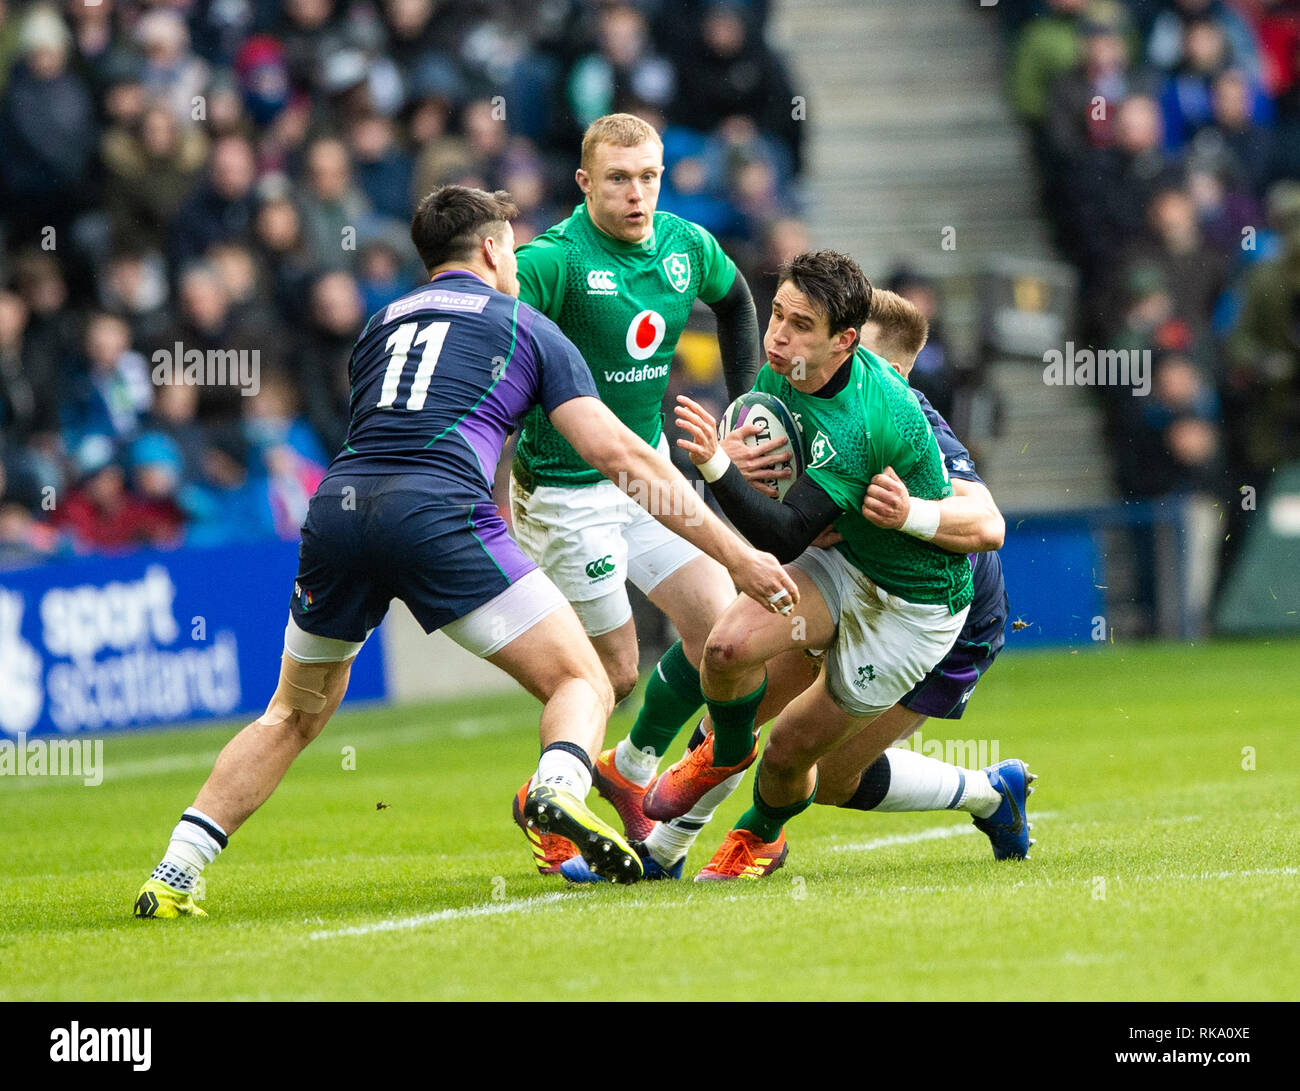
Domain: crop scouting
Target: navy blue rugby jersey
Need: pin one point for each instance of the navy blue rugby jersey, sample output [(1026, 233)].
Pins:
[(955, 456), (442, 376), (986, 568)]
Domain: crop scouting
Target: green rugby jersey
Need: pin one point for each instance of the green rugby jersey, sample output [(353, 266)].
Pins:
[(624, 305), (875, 422)]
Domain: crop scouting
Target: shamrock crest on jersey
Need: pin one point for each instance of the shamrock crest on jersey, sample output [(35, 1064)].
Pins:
[(678, 268), (820, 451)]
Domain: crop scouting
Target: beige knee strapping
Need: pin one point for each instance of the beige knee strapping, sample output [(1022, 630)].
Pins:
[(301, 689)]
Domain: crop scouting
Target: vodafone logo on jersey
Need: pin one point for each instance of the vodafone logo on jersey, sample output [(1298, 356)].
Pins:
[(645, 334)]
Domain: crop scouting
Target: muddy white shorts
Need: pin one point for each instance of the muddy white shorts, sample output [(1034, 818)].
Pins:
[(883, 644)]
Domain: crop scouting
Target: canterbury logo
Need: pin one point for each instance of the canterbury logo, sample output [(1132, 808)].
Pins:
[(601, 567), (601, 280)]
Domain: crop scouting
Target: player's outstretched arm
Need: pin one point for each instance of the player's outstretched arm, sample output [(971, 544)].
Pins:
[(652, 481), (966, 522)]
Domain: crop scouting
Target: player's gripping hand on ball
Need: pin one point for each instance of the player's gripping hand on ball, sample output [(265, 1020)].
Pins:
[(756, 461), (753, 577)]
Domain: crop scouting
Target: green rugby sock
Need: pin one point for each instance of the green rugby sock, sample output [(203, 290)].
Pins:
[(765, 821), (672, 697), (733, 726)]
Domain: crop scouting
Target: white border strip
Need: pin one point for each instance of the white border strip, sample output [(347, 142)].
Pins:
[(490, 909)]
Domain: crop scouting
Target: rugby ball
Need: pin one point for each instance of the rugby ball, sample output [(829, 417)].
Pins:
[(768, 413)]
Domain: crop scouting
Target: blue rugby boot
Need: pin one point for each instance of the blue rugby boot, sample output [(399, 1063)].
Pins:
[(1008, 827)]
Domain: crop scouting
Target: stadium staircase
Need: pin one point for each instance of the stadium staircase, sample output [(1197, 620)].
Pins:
[(912, 134)]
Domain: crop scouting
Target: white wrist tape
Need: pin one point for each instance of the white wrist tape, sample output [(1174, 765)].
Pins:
[(922, 519), (715, 467)]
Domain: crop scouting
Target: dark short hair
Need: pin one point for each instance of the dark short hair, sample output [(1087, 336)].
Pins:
[(834, 283), (451, 223)]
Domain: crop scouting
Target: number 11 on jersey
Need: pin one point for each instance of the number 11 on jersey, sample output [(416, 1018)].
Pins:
[(402, 341)]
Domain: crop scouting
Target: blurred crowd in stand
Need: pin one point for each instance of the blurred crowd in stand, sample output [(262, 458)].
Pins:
[(232, 180)]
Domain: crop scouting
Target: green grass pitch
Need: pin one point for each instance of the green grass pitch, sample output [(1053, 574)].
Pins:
[(1166, 868)]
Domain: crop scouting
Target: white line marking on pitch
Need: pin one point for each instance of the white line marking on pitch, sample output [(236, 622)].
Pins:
[(938, 834), (490, 909)]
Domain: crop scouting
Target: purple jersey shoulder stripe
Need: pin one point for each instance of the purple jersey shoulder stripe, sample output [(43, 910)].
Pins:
[(513, 392)]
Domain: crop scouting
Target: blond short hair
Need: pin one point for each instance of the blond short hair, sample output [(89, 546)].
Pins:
[(620, 130), (901, 327)]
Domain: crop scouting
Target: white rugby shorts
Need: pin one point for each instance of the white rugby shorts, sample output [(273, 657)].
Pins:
[(883, 644), (590, 539)]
